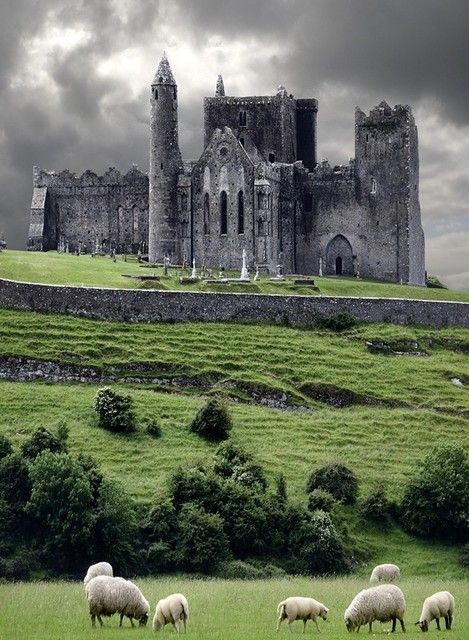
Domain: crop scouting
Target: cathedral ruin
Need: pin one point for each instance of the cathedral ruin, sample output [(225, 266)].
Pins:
[(256, 187)]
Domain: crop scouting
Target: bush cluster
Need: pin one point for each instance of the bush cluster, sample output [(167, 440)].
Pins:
[(340, 481), (212, 421), (58, 512), (115, 411)]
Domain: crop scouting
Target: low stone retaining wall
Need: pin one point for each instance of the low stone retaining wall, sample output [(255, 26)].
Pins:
[(135, 305)]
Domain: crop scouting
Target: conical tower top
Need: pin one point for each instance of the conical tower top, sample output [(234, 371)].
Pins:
[(220, 90), (163, 74)]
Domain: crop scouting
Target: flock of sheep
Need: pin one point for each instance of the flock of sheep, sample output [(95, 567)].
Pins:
[(107, 595)]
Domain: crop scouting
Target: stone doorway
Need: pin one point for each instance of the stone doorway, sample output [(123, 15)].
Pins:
[(339, 257)]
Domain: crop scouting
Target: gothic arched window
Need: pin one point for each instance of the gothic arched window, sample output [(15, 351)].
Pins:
[(223, 213), (240, 212), (206, 214), (242, 118)]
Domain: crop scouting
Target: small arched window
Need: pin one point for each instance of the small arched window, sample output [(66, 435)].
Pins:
[(206, 214), (242, 118), (271, 156), (223, 214), (155, 93), (240, 212)]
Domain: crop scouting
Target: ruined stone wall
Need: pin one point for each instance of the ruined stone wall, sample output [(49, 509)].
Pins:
[(109, 211), (175, 306), (224, 167), (270, 121)]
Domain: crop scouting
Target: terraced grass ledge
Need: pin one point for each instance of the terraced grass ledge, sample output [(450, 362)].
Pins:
[(176, 306)]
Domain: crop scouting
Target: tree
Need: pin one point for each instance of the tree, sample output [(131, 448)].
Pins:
[(115, 411), (62, 503), (202, 542), (43, 440), (338, 479), (212, 421), (318, 546), (436, 499), (235, 463)]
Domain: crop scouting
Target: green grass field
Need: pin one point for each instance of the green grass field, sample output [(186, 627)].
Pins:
[(422, 407), (219, 609), (55, 268)]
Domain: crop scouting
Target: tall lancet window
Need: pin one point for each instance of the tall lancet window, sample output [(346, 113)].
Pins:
[(206, 214), (223, 214), (240, 212)]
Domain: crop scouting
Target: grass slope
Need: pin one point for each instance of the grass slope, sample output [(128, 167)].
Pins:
[(382, 443), (219, 609), (55, 268)]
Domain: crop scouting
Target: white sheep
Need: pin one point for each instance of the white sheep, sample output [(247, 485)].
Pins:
[(439, 605), (382, 603), (173, 609), (298, 608), (385, 573), (107, 595), (98, 569)]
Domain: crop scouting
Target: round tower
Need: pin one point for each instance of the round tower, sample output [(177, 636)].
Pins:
[(165, 166)]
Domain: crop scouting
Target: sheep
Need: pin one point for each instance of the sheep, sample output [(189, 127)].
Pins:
[(107, 595), (439, 605), (98, 569), (385, 573), (385, 602), (301, 609), (173, 609)]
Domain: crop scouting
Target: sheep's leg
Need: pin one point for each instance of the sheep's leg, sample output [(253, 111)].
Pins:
[(280, 620), (304, 625), (393, 628), (100, 620), (177, 624), (371, 624), (317, 626), (120, 620), (131, 621), (401, 620), (184, 622), (449, 620), (93, 619), (289, 626), (437, 620)]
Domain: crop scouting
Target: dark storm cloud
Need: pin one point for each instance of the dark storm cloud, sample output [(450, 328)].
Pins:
[(57, 110)]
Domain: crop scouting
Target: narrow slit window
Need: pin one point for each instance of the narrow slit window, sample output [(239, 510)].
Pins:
[(240, 212), (206, 214), (242, 118), (223, 214)]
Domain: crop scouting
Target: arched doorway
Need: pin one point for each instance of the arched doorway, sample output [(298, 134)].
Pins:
[(339, 257)]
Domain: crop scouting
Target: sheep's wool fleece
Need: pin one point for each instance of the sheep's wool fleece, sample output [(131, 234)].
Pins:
[(377, 603)]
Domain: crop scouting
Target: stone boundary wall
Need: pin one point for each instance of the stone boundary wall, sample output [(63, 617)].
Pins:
[(136, 305)]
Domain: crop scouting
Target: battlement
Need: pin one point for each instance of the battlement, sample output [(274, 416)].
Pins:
[(88, 178), (325, 171), (385, 115), (306, 104)]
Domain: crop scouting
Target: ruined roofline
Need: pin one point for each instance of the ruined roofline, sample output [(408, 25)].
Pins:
[(252, 100), (385, 113), (88, 177)]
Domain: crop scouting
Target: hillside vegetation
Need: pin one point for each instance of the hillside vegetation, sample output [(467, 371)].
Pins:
[(100, 271), (380, 412)]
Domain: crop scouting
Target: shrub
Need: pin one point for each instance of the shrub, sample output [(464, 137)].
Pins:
[(212, 421), (153, 428), (5, 446), (202, 543), (196, 484), (337, 479), (159, 557), (338, 322), (436, 499), (115, 411), (376, 507), (161, 523), (238, 570), (322, 500), (43, 440), (15, 483), (234, 462), (318, 546)]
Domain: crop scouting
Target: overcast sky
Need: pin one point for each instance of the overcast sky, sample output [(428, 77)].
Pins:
[(75, 75)]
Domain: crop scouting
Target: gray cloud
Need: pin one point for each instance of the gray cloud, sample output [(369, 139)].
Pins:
[(59, 109)]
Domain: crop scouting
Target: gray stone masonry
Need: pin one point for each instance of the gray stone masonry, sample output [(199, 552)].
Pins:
[(175, 306)]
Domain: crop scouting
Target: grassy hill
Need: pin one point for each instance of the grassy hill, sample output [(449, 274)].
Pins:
[(379, 412), (55, 268)]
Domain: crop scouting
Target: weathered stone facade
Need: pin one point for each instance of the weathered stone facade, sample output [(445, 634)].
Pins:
[(257, 187)]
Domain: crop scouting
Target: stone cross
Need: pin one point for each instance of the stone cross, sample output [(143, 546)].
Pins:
[(320, 267), (244, 270), (194, 270), (256, 276)]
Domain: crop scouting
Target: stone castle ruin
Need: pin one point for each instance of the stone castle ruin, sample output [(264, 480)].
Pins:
[(256, 187)]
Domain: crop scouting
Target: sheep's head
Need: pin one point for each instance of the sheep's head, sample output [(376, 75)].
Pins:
[(142, 621), (324, 613), (423, 624), (349, 624)]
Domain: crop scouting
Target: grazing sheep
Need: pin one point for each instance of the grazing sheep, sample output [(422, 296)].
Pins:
[(107, 595), (173, 609), (385, 573), (382, 603), (98, 569), (301, 609), (439, 605)]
